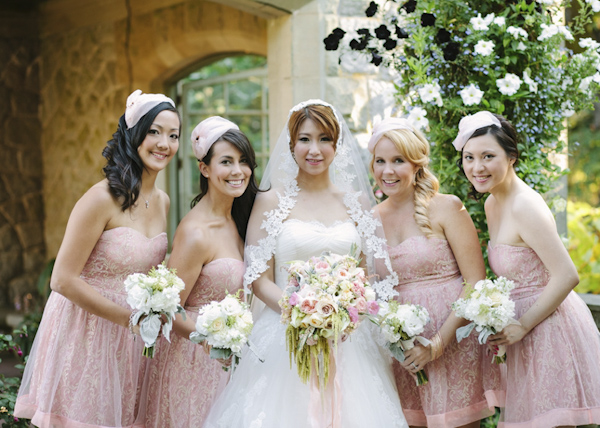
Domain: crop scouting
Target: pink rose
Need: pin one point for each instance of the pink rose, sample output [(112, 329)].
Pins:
[(308, 306), (294, 299), (373, 307), (361, 305), (325, 308), (353, 312), (322, 265), (358, 289)]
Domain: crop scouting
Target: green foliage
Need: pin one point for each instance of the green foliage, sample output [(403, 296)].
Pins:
[(9, 386), (584, 245), (584, 162), (434, 48)]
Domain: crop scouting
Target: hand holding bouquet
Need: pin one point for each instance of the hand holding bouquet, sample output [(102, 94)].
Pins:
[(401, 325), (489, 308), (156, 297), (324, 299), (225, 326)]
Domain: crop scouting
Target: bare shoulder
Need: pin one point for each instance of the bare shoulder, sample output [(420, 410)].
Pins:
[(266, 201), (192, 234), (443, 203), (98, 202), (527, 203), (165, 201)]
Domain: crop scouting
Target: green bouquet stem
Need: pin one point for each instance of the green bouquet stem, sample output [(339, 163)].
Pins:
[(148, 352), (421, 378)]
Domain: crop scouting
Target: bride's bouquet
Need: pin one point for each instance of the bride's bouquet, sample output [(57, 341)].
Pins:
[(489, 308), (225, 326), (156, 297), (401, 325), (324, 299)]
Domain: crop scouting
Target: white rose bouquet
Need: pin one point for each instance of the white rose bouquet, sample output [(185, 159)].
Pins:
[(156, 297), (325, 297), (401, 325), (226, 327), (489, 308)]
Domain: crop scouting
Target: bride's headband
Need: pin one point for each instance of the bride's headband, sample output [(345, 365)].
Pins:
[(469, 124), (312, 102), (389, 124), (138, 104), (208, 132)]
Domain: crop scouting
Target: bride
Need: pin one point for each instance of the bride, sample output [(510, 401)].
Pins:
[(319, 199)]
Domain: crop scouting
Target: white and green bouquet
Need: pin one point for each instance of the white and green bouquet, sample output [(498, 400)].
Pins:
[(489, 308), (155, 300)]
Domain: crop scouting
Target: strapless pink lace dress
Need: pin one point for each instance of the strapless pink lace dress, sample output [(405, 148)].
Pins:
[(463, 384), (85, 371), (553, 373), (182, 379)]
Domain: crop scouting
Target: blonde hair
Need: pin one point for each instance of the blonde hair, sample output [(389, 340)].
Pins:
[(414, 148)]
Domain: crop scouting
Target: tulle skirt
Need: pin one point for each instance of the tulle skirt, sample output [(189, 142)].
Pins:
[(553, 373), (271, 394), (83, 371), (181, 383), (464, 385)]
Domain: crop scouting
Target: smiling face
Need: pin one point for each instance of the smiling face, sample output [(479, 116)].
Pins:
[(161, 141), (228, 171), (485, 163), (313, 149), (394, 175)]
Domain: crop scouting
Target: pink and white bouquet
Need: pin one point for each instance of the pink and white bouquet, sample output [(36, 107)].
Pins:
[(489, 308), (401, 325), (156, 297), (226, 327), (325, 299)]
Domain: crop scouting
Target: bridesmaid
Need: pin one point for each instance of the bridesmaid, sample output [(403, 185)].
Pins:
[(553, 354), (433, 248), (85, 366), (208, 255)]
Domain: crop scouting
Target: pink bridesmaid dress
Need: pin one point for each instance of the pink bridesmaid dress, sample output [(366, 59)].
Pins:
[(182, 381), (85, 371), (553, 373), (463, 384)]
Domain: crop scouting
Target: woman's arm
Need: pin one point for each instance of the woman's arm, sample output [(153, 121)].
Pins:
[(459, 230), (537, 229), (88, 220), (191, 251), (264, 287)]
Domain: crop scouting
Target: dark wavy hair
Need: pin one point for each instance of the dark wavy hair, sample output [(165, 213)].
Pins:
[(124, 166), (506, 136), (242, 205)]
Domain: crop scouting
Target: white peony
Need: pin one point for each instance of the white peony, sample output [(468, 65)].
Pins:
[(430, 93), (484, 47), (509, 85), (517, 32), (482, 24), (417, 118)]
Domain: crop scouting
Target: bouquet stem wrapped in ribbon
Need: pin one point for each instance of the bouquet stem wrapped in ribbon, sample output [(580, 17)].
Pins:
[(154, 296), (401, 325), (489, 308), (226, 327), (324, 299)]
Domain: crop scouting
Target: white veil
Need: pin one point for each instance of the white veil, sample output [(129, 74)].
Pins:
[(349, 174)]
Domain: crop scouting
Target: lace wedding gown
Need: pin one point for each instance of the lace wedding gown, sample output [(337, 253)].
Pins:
[(270, 394)]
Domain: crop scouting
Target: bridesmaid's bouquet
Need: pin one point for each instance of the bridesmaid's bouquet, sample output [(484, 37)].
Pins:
[(324, 299), (156, 297), (401, 326), (226, 327), (489, 308)]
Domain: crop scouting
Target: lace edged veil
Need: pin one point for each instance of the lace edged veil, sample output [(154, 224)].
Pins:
[(349, 173)]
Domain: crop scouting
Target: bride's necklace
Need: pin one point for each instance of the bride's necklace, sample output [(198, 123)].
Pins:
[(147, 201)]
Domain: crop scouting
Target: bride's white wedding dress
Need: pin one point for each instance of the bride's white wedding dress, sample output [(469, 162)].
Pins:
[(270, 394)]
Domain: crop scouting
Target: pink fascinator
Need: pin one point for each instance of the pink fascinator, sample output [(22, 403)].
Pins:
[(138, 104), (469, 124), (207, 132), (386, 125)]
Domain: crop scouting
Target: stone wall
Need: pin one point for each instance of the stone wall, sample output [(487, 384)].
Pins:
[(22, 250)]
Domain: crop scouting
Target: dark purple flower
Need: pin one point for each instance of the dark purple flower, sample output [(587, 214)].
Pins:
[(382, 32), (332, 41), (401, 33), (409, 6), (451, 51), (371, 10), (427, 20), (377, 59), (390, 44), (442, 36)]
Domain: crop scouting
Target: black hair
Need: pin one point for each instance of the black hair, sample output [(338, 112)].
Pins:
[(507, 138), (242, 205), (124, 167)]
